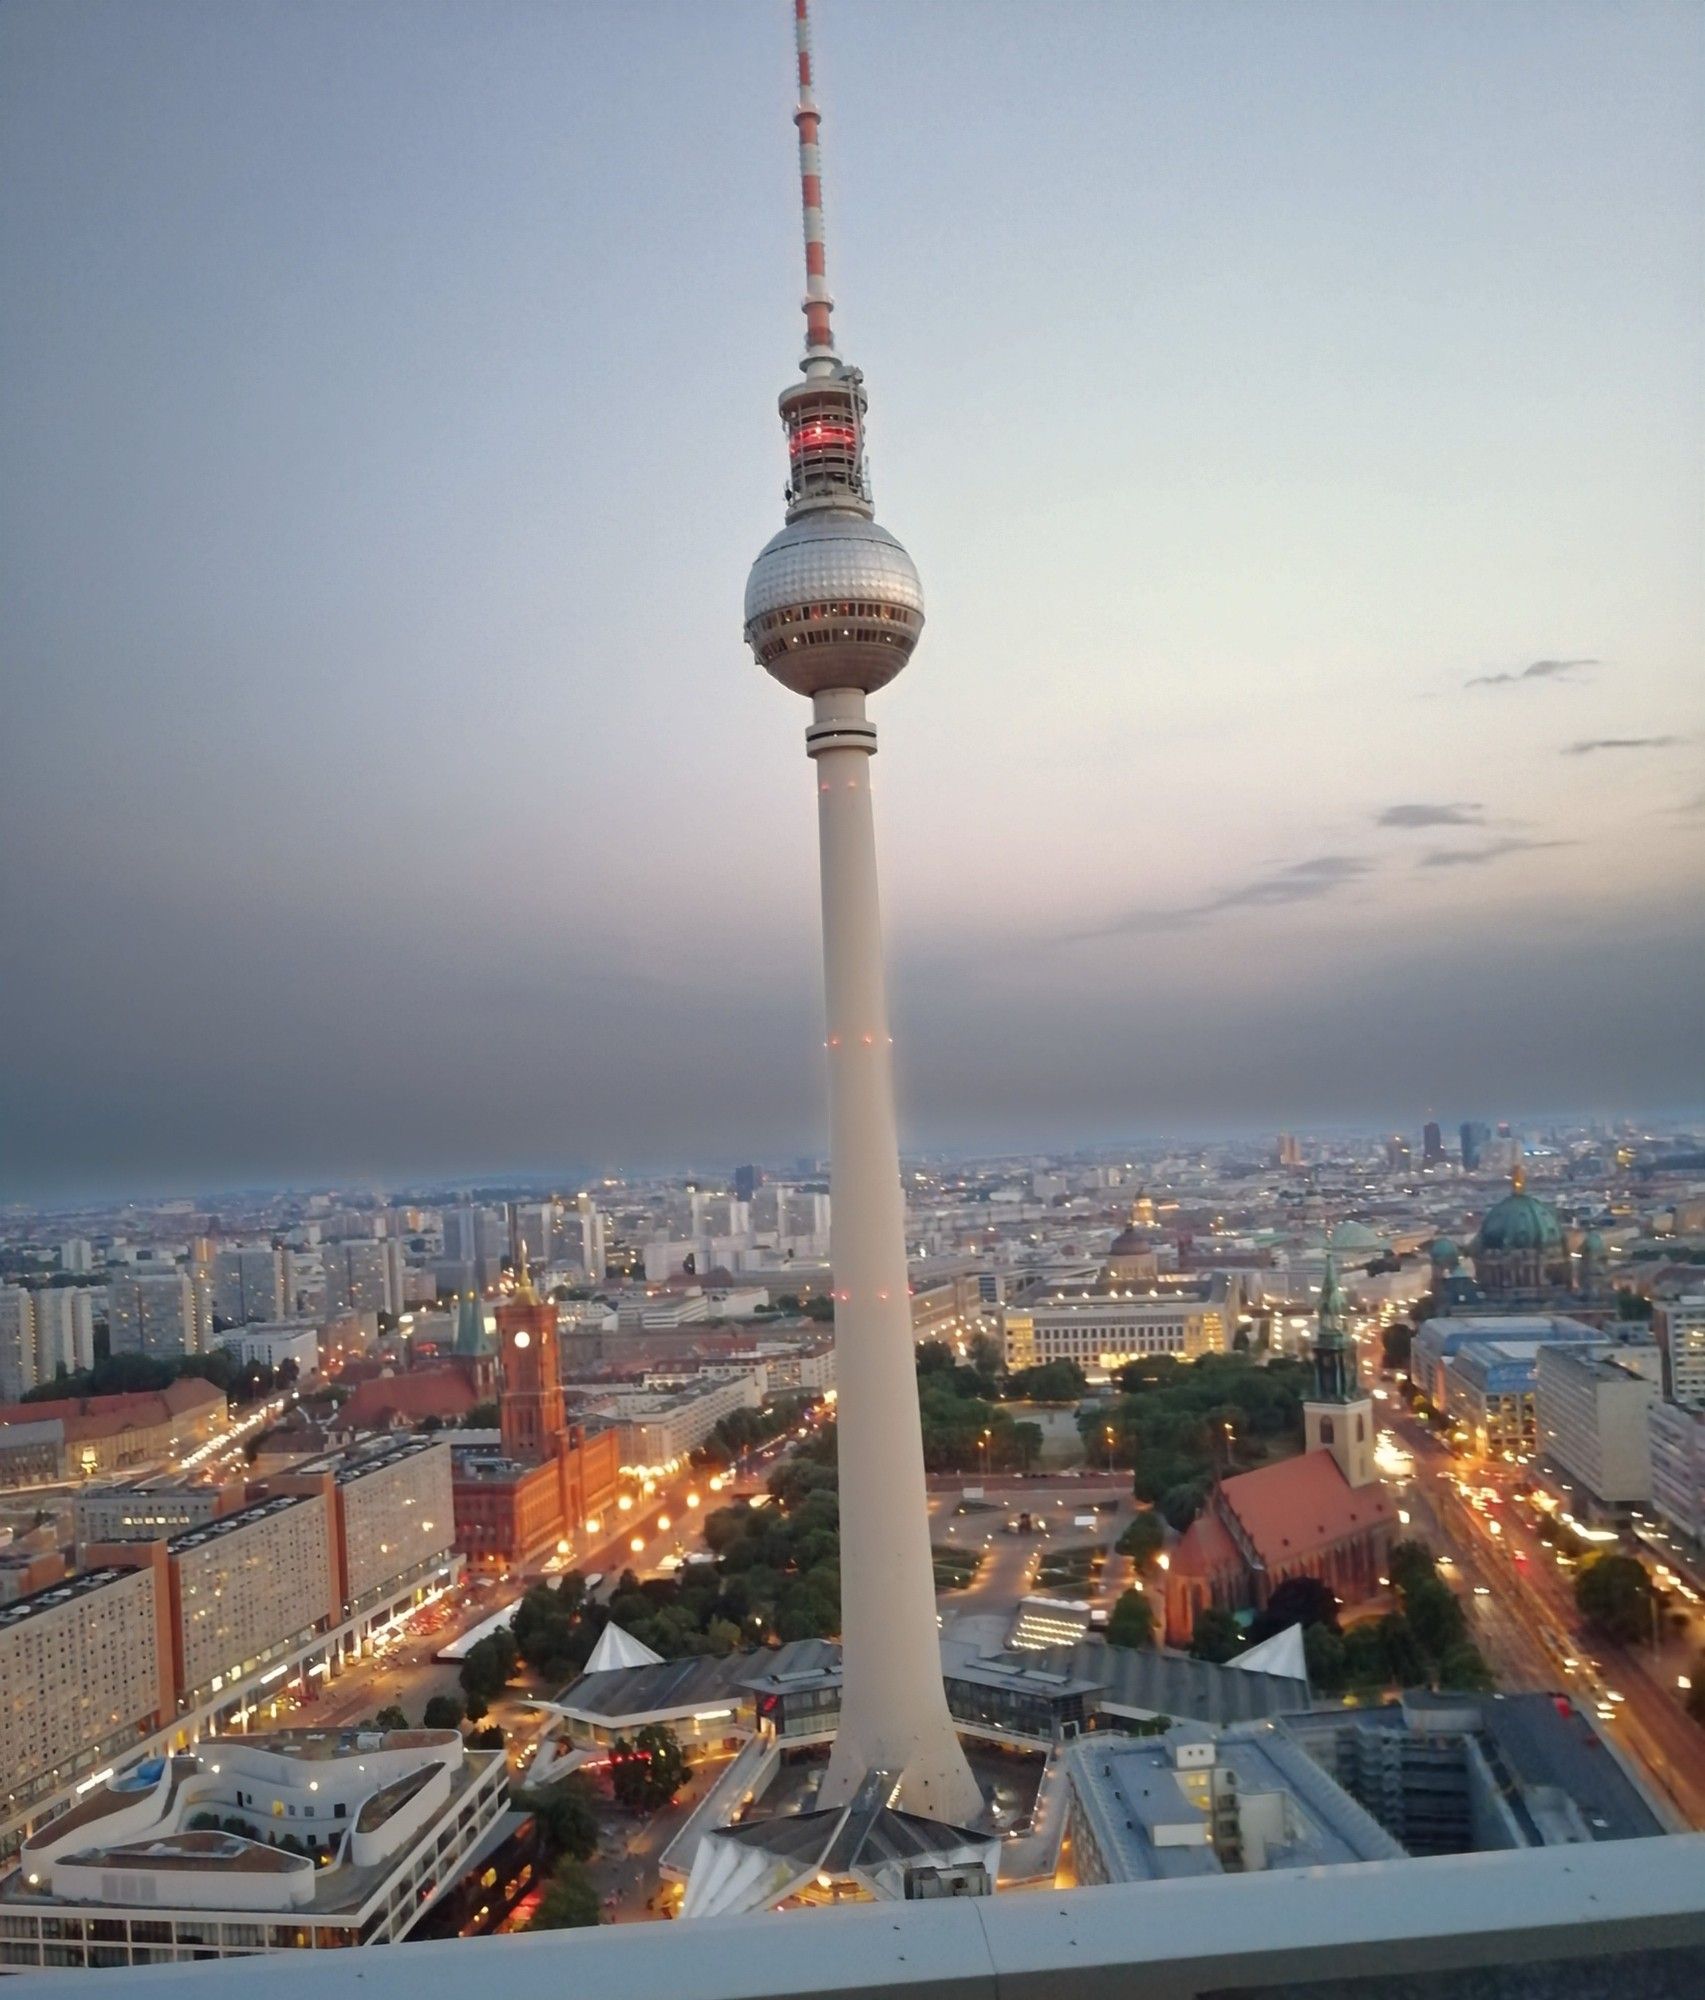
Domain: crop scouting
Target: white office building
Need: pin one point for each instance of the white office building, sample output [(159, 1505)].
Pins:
[(275, 1343), (1593, 1406), (300, 1840)]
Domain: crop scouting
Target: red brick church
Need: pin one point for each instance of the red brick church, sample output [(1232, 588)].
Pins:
[(1323, 1515)]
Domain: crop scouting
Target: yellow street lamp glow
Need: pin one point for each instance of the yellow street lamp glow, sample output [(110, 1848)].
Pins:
[(625, 1503), (692, 1499), (637, 1544)]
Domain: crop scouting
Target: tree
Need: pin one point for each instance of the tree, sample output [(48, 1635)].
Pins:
[(1215, 1637), (567, 1817), (1132, 1622), (1395, 1345), (570, 1901), (1323, 1652), (391, 1716), (1182, 1503), (1299, 1600), (1463, 1668), (443, 1711), (1410, 1563), (1143, 1539), (1614, 1594), (647, 1773), (489, 1738), (487, 1669), (1435, 1617)]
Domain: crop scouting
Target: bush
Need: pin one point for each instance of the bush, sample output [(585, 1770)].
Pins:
[(443, 1711)]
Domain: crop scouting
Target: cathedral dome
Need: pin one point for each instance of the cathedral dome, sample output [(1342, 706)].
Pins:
[(1519, 1222), (1444, 1253), (1128, 1243)]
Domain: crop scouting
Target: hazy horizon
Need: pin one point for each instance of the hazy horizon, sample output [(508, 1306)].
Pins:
[(1296, 417)]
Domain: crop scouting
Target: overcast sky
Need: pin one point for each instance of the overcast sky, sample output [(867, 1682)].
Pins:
[(1295, 413)]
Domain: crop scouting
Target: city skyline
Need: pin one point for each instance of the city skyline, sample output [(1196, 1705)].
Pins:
[(1310, 723)]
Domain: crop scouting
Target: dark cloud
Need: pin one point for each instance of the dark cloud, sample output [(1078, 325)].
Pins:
[(1462, 813), (1539, 670), (1492, 850), (1588, 745), (1298, 882)]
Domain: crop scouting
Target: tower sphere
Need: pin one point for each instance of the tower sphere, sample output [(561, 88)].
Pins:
[(833, 601)]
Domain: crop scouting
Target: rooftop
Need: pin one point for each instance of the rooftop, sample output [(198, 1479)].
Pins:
[(1519, 1925)]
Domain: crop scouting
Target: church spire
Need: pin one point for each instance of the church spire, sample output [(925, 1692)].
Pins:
[(1335, 1379)]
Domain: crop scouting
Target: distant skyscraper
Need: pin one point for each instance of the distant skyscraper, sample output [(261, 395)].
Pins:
[(1397, 1152), (1432, 1144), (1474, 1136), (833, 610), (747, 1181), (77, 1255)]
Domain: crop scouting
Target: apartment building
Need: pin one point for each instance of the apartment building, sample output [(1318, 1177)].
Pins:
[(83, 1676), (248, 1283)]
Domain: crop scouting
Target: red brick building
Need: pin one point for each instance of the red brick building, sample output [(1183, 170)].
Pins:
[(1324, 1514), (551, 1477)]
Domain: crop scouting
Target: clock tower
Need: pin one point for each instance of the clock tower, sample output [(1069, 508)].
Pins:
[(530, 1405)]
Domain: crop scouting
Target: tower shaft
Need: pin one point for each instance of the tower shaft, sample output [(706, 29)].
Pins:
[(893, 1708)]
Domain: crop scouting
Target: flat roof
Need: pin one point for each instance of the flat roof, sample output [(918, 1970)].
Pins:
[(58, 1594), (230, 1524)]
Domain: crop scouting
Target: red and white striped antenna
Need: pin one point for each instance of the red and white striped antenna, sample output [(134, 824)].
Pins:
[(819, 340)]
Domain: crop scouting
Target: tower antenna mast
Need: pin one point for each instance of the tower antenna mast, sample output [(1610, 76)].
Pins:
[(820, 357)]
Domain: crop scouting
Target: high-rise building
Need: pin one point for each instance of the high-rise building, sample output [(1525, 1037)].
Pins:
[(747, 1181), (593, 1248), (152, 1312), (65, 1330), (833, 610), (1397, 1152), (357, 1278), (1473, 1136), (1679, 1324), (248, 1283), (17, 1343), (1432, 1144), (77, 1256)]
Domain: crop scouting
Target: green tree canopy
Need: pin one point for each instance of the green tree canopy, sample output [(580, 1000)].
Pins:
[(1614, 1594), (1144, 1538), (1132, 1622), (570, 1901), (1215, 1637), (647, 1773)]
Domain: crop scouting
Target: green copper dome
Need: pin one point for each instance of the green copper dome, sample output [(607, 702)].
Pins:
[(1518, 1222), (1444, 1253)]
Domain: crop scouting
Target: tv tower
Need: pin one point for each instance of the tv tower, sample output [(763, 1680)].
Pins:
[(833, 610)]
